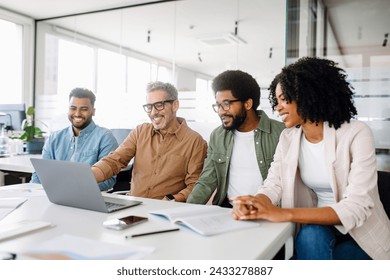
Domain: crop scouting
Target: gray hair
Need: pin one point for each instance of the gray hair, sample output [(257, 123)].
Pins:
[(167, 87)]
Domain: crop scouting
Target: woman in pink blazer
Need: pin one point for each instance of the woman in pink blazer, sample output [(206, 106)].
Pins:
[(324, 175)]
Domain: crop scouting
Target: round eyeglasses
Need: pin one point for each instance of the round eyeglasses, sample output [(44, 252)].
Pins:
[(159, 106), (225, 105)]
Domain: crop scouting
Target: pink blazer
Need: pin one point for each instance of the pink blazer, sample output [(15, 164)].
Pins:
[(350, 159)]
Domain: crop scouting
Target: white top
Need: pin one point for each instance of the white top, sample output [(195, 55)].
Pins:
[(313, 171), (244, 174)]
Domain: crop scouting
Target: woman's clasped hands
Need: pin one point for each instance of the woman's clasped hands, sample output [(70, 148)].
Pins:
[(256, 207)]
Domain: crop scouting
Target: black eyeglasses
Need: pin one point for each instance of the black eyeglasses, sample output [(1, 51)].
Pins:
[(225, 105), (159, 106)]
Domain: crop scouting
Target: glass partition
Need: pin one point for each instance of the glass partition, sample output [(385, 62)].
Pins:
[(354, 34), (187, 43)]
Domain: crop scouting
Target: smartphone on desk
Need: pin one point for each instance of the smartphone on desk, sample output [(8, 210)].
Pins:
[(125, 222)]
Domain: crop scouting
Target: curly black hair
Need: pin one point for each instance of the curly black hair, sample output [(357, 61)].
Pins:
[(83, 93), (242, 85), (319, 88)]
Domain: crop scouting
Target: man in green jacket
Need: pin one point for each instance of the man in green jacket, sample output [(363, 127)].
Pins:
[(241, 150)]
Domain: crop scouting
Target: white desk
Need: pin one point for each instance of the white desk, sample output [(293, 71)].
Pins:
[(16, 163), (262, 242)]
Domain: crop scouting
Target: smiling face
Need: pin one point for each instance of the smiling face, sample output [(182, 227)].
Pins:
[(288, 111), (164, 118), (80, 113), (235, 116)]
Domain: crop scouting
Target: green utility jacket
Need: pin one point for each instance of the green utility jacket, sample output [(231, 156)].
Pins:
[(216, 167)]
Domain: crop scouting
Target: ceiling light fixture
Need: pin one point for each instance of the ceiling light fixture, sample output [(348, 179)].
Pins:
[(384, 44), (199, 58)]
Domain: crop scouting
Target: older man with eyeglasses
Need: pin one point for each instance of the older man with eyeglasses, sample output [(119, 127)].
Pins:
[(240, 150), (168, 155)]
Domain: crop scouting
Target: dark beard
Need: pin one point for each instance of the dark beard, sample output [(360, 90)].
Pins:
[(238, 120), (81, 127)]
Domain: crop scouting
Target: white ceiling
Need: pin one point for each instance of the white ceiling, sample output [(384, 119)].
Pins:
[(359, 27), (41, 9)]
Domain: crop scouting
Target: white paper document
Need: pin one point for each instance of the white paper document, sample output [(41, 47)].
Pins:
[(22, 227), (69, 247), (29, 190), (205, 220), (7, 205)]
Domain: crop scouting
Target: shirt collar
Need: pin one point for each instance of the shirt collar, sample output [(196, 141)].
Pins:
[(264, 123), (177, 129), (85, 131)]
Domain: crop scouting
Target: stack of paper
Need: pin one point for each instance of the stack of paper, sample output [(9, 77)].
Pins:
[(7, 205)]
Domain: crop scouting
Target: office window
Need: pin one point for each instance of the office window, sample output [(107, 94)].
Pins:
[(66, 64), (75, 66), (204, 99), (11, 62), (118, 80), (111, 88), (111, 73), (362, 50), (139, 74), (164, 74), (131, 49)]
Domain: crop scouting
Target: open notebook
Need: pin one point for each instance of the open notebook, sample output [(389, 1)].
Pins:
[(204, 219)]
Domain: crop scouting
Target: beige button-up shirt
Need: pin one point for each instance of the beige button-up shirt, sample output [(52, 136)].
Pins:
[(163, 165)]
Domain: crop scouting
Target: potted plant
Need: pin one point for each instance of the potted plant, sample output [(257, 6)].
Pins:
[(33, 136)]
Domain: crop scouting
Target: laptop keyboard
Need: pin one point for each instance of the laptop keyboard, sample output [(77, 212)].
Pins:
[(112, 205)]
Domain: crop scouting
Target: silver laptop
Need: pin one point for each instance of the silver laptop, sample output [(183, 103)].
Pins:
[(73, 184)]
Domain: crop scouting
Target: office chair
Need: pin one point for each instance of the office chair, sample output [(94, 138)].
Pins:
[(123, 181), (120, 134), (384, 190)]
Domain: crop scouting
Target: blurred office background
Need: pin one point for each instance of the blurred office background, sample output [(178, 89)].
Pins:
[(114, 47)]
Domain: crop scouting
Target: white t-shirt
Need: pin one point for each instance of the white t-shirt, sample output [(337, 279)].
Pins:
[(313, 171), (244, 174)]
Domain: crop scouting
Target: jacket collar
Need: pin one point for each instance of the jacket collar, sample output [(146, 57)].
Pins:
[(329, 141), (330, 155)]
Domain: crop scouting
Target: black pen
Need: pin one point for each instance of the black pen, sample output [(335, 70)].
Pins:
[(152, 232)]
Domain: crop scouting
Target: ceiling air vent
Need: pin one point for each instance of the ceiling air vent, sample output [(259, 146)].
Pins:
[(221, 39)]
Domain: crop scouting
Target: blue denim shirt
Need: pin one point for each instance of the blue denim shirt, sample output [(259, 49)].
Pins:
[(93, 143)]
